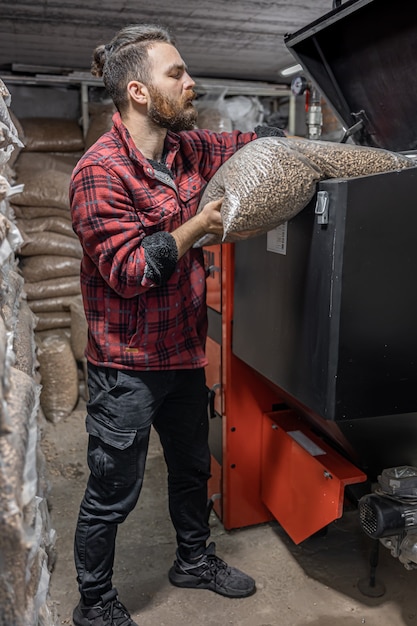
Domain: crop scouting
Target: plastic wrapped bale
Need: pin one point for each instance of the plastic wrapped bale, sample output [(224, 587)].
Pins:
[(263, 184), (12, 289), (23, 402), (212, 113), (59, 376), (23, 340), (19, 130), (10, 142), (17, 486), (3, 343), (246, 112), (4, 378)]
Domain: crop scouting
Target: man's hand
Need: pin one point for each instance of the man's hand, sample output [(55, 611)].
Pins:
[(211, 218), (208, 220)]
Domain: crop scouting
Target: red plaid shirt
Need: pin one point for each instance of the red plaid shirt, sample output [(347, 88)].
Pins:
[(116, 200)]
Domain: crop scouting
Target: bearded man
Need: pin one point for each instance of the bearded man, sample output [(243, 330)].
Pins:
[(134, 198)]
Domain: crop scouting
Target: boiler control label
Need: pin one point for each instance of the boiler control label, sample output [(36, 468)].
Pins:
[(276, 239)]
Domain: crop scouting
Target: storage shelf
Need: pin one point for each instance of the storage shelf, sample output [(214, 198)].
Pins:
[(84, 80)]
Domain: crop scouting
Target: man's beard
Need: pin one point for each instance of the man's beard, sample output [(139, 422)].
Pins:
[(169, 114)]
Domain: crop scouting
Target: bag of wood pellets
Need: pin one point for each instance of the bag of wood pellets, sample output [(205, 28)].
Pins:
[(342, 160), (271, 179), (264, 184), (44, 188), (45, 266), (43, 134), (48, 242), (59, 376)]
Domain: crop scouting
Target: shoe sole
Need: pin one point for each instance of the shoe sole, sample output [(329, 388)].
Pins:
[(192, 582), (78, 618)]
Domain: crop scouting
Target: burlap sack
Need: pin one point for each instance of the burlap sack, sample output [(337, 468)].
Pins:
[(17, 149)]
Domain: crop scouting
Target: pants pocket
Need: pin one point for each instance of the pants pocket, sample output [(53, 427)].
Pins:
[(114, 466)]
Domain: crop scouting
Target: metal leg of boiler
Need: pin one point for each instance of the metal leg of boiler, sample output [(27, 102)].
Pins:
[(370, 586)]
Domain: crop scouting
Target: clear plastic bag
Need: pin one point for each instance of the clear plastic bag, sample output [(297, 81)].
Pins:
[(342, 160), (264, 184), (212, 113), (271, 179)]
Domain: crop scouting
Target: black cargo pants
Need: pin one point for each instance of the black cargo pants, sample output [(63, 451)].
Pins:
[(122, 408)]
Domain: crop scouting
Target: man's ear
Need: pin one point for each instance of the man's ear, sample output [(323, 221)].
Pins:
[(138, 92)]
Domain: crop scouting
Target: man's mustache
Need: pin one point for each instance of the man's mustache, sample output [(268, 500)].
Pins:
[(190, 95)]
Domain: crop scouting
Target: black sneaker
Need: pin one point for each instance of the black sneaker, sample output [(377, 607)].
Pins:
[(107, 612), (212, 573)]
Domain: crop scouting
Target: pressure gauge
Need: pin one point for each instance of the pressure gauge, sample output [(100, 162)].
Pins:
[(298, 85)]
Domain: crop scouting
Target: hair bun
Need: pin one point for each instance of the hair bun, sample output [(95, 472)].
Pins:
[(99, 58)]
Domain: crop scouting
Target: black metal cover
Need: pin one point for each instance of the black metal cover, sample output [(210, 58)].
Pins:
[(362, 58), (332, 321)]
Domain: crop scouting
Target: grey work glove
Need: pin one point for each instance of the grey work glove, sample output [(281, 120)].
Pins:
[(268, 131)]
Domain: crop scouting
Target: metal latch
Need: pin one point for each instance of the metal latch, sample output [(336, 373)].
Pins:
[(322, 207), (211, 400)]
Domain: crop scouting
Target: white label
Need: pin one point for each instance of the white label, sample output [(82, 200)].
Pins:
[(306, 443), (276, 239)]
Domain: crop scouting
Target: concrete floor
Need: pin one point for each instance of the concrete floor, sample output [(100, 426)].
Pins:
[(314, 583)]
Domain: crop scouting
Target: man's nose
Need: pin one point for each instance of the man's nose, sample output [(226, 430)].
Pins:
[(189, 83)]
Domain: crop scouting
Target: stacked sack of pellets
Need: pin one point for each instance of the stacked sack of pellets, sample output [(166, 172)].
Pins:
[(271, 179), (100, 120), (49, 257), (26, 537)]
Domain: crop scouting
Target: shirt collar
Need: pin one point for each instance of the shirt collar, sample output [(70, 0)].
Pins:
[(172, 143)]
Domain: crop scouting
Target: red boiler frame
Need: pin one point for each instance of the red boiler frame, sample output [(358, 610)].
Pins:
[(273, 464)]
